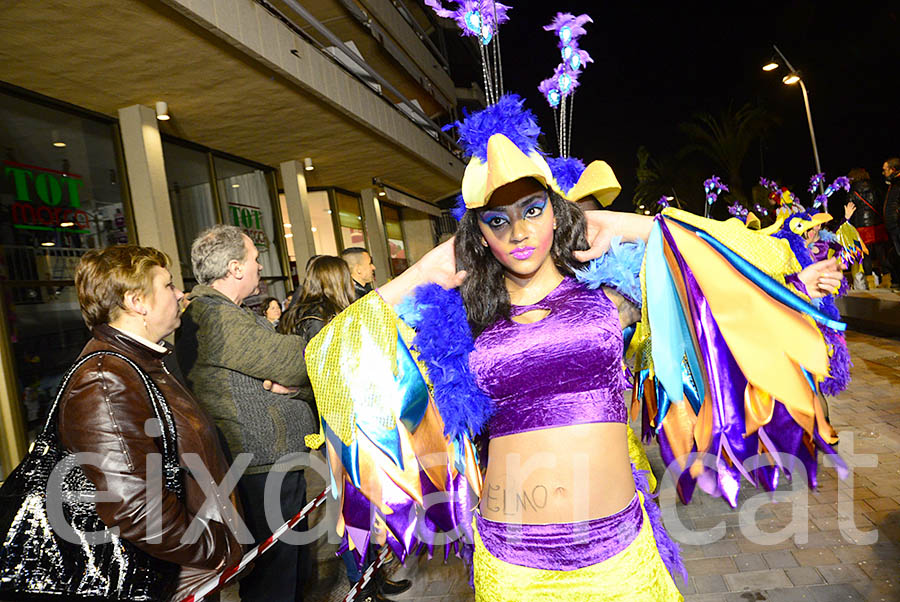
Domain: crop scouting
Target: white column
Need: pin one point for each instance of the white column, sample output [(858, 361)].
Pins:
[(295, 197), (376, 237), (147, 184)]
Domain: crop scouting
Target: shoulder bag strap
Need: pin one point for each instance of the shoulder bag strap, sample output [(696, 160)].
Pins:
[(160, 407)]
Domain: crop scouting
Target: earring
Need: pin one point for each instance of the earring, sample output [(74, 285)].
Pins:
[(554, 224), (483, 242)]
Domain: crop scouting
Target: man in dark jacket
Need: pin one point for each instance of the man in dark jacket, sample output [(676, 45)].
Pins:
[(868, 221), (226, 352), (362, 270), (891, 171)]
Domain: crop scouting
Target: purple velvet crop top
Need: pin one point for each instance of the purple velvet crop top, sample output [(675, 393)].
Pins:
[(565, 369)]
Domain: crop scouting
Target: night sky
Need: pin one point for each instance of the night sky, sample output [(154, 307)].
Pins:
[(656, 64)]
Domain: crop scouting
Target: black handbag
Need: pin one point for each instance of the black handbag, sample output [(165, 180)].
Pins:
[(36, 563)]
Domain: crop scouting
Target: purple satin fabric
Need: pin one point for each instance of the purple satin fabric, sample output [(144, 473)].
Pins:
[(563, 546), (565, 369), (726, 383)]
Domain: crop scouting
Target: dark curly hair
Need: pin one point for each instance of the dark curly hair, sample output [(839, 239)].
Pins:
[(484, 290)]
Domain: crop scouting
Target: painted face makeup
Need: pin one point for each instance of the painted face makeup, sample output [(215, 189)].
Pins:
[(520, 234)]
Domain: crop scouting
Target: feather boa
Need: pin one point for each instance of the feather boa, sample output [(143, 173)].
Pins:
[(566, 171), (618, 268), (508, 116), (443, 340)]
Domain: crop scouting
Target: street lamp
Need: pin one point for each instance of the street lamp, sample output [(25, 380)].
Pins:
[(794, 78)]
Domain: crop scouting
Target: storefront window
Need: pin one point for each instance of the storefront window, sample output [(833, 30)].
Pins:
[(60, 196), (320, 214), (350, 219), (193, 205), (247, 203), (396, 246)]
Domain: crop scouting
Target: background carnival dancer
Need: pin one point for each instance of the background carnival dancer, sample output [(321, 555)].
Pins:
[(227, 352), (563, 509), (130, 304)]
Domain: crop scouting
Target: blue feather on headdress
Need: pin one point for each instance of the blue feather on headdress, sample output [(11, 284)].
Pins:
[(459, 209), (566, 171), (508, 116)]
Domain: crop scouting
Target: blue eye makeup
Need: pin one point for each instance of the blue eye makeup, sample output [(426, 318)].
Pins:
[(535, 208), (494, 219)]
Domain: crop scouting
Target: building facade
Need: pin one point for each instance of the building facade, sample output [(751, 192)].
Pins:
[(314, 126)]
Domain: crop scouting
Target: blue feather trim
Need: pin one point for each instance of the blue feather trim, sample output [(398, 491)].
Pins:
[(443, 340), (566, 171), (619, 268), (508, 116), (459, 210), (828, 236)]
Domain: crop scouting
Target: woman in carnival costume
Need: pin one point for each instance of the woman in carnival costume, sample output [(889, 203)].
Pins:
[(562, 509)]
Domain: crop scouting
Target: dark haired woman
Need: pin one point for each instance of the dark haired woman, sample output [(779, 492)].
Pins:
[(563, 513), (327, 290), (270, 309)]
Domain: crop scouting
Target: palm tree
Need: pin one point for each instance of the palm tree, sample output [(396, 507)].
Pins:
[(655, 180), (726, 139)]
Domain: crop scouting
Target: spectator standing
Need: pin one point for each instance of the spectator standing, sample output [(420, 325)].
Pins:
[(362, 270), (869, 222), (891, 171), (130, 304), (226, 352), (270, 309)]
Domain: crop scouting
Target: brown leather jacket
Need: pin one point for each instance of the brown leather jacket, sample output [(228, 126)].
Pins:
[(104, 412)]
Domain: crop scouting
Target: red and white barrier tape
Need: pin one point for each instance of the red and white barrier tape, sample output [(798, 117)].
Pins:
[(367, 575), (227, 575)]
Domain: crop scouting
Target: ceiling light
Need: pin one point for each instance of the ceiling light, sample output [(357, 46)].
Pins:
[(235, 185), (793, 78), (770, 66), (66, 224), (646, 213), (640, 207), (307, 164), (381, 193), (162, 111), (59, 144), (56, 139), (48, 243)]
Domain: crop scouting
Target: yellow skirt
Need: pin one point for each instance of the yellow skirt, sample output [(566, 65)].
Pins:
[(636, 574)]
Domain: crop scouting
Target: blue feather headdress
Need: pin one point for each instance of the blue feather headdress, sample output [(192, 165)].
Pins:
[(508, 116)]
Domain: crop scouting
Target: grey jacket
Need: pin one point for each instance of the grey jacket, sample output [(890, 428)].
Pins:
[(225, 352)]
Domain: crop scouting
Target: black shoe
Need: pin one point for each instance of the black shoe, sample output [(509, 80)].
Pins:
[(370, 593), (390, 588)]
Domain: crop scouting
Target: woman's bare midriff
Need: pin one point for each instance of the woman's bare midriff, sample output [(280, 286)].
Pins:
[(558, 475)]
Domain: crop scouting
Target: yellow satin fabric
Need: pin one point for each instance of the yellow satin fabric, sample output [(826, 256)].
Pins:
[(636, 574)]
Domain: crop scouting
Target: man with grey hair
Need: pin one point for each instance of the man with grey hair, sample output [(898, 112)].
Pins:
[(226, 353)]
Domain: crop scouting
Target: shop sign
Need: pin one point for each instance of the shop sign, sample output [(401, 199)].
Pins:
[(45, 198), (249, 219)]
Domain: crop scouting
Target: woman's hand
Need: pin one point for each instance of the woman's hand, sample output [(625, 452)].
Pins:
[(438, 266), (822, 278), (849, 210), (602, 226)]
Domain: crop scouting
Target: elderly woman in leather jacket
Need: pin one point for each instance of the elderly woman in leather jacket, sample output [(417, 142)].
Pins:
[(130, 304)]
